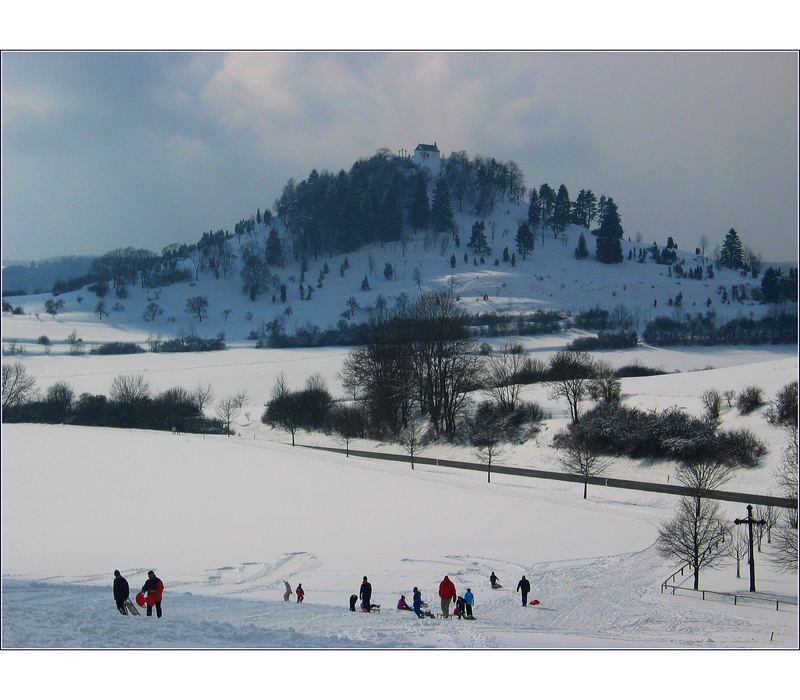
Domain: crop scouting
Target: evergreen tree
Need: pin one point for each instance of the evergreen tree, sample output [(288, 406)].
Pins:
[(547, 201), (441, 211), (420, 209), (582, 250), (365, 284), (534, 210), (524, 240), (732, 253), (609, 235), (274, 248), (478, 239), (390, 218), (561, 209)]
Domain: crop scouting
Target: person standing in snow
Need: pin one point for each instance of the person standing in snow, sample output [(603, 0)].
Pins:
[(469, 601), (353, 601), (287, 593), (154, 590), (365, 594), (447, 592), (300, 593), (494, 581), (121, 591), (525, 587)]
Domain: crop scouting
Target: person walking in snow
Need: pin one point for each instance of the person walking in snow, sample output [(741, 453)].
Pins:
[(494, 581), (365, 594), (154, 590), (353, 601), (447, 592), (469, 601), (287, 593), (121, 591), (525, 587), (300, 593)]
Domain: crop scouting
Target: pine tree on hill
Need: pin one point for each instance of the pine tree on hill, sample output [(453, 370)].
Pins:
[(534, 210), (524, 240), (561, 209), (582, 251), (420, 209), (609, 235), (441, 211), (477, 241), (547, 201), (274, 248), (732, 254)]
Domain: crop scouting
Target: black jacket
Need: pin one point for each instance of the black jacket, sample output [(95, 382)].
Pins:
[(121, 588), (365, 593), (151, 584), (524, 585)]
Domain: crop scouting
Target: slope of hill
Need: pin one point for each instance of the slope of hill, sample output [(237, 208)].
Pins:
[(550, 278)]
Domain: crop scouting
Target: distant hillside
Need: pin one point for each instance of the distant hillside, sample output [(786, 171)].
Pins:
[(40, 275)]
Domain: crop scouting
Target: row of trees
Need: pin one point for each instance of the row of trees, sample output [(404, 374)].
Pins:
[(129, 404)]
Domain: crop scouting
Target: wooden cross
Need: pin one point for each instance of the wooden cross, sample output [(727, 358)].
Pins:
[(750, 521)]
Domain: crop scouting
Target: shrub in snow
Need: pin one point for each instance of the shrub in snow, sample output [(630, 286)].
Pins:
[(783, 408), (749, 399)]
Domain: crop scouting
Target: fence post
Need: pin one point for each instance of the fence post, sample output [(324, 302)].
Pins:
[(704, 595), (734, 600)]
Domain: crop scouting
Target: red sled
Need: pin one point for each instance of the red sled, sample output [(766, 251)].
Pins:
[(140, 601), (535, 602)]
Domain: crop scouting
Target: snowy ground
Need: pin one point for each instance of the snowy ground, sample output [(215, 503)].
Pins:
[(225, 521)]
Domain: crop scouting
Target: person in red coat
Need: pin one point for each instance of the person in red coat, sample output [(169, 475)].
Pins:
[(447, 592), (300, 593), (154, 589)]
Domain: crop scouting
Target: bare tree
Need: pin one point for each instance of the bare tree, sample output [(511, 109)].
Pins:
[(129, 389), (487, 437), (771, 516), (784, 553), (411, 440), (712, 402), (228, 409), (202, 396), (582, 459), (604, 385), (348, 423), (729, 395), (502, 376), (693, 536), (570, 374), (18, 386), (197, 306), (281, 387), (703, 242), (738, 546)]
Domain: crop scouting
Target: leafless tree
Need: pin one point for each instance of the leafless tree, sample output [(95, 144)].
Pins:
[(502, 371), (738, 546), (784, 552), (18, 386), (280, 388), (604, 385), (411, 440), (712, 402), (228, 409), (583, 460), (129, 389), (570, 374), (202, 395), (729, 395), (487, 438), (693, 536), (771, 516), (703, 242)]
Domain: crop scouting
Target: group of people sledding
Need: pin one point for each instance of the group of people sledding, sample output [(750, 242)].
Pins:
[(150, 596)]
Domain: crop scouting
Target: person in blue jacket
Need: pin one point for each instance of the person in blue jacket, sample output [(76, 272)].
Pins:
[(469, 601)]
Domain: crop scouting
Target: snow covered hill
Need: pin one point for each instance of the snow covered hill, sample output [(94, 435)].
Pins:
[(550, 278)]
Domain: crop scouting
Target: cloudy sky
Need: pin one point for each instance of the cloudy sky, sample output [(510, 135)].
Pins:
[(102, 150)]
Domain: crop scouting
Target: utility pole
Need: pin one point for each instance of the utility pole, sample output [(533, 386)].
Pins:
[(750, 521)]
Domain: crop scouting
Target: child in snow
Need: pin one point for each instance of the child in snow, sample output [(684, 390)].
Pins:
[(494, 581), (458, 611), (353, 601), (300, 593), (288, 593), (403, 605), (469, 601)]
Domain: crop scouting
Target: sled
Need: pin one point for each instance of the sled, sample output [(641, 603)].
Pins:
[(140, 599), (131, 607), (372, 608), (496, 586), (531, 603)]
